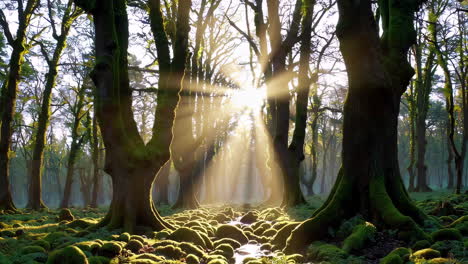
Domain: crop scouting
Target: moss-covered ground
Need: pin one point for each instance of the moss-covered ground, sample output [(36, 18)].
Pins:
[(225, 234)]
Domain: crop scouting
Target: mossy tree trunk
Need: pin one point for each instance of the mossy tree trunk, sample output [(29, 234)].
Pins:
[(369, 181), (292, 194), (162, 184), (283, 155), (9, 92), (131, 163), (35, 186), (423, 88), (95, 157)]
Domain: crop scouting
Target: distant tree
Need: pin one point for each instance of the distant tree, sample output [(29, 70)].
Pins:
[(69, 14)]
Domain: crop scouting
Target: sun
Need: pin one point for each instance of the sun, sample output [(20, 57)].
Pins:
[(251, 98)]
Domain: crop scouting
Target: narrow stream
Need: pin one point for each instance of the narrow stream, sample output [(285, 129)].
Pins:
[(250, 251)]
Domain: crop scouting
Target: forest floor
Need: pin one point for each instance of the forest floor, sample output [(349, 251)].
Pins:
[(235, 235)]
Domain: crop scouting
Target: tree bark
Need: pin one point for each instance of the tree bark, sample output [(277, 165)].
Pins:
[(132, 164), (8, 97), (369, 181), (35, 187)]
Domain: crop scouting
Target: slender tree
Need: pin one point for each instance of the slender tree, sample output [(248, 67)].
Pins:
[(70, 13), (9, 91)]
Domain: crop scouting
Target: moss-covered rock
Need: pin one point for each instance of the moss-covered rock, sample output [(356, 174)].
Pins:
[(441, 261), (360, 235), (169, 252), (319, 251), (67, 255), (42, 243), (65, 215), (233, 232), (234, 244), (397, 256), (110, 249), (226, 250), (447, 234), (192, 259), (147, 256), (134, 245), (190, 248), (427, 253), (450, 247), (81, 223), (249, 218), (421, 244), (57, 238), (32, 249), (98, 260), (124, 237), (188, 235)]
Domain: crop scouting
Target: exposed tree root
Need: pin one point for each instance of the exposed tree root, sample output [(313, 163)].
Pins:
[(343, 203)]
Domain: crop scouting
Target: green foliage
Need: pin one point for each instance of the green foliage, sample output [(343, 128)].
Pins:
[(447, 234)]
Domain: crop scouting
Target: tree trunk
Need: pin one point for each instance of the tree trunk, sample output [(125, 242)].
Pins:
[(132, 164), (450, 183), (95, 149), (35, 188), (369, 181), (70, 172), (8, 100), (162, 184)]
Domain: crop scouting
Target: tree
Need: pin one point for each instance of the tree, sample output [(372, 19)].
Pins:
[(369, 181), (70, 13), (9, 91), (131, 163)]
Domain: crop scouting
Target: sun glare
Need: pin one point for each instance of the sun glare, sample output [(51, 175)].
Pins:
[(250, 98)]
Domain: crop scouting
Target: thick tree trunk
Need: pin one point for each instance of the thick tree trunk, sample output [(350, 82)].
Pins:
[(95, 148), (369, 181), (132, 207)]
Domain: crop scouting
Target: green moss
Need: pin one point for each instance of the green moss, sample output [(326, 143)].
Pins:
[(32, 249), (42, 243), (234, 244), (347, 227), (65, 215), (226, 250), (192, 259), (68, 255), (81, 223), (7, 233), (110, 249), (319, 251), (229, 231), (170, 252), (57, 238), (134, 245), (397, 256), (270, 232), (446, 234), (147, 256), (124, 237), (98, 260), (450, 247), (297, 258), (190, 248), (188, 235), (427, 253), (391, 259), (161, 234), (421, 244), (279, 241), (360, 235), (441, 261), (249, 218), (217, 261)]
